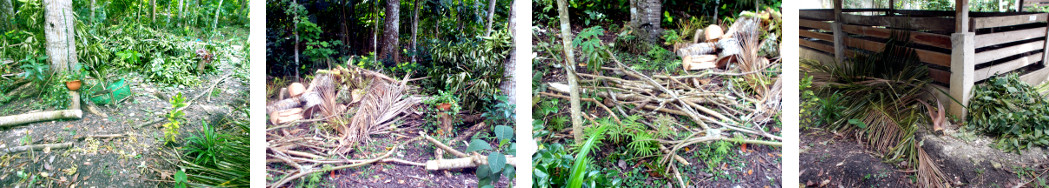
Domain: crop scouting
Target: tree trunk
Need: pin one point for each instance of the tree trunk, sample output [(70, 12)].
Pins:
[(415, 29), (215, 24), (7, 12), (153, 15), (508, 86), (573, 83), (491, 11), (61, 48), (390, 45), (296, 31)]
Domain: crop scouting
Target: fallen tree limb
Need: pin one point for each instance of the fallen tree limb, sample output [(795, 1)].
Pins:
[(35, 147), (190, 101), (303, 171), (32, 117)]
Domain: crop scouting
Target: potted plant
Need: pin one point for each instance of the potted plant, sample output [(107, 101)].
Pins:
[(74, 79)]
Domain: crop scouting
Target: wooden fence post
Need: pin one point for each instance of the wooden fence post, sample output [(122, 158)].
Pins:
[(963, 67), (839, 35)]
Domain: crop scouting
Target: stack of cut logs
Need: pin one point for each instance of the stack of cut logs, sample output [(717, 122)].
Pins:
[(712, 47)]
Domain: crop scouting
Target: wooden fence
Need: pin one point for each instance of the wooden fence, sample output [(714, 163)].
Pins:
[(994, 43)]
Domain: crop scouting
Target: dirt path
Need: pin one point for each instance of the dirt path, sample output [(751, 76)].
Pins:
[(138, 159)]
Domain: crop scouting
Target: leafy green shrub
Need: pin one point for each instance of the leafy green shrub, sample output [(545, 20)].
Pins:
[(551, 167), (671, 37), (1009, 109), (471, 69), (171, 128), (497, 167), (502, 113), (590, 47), (434, 114)]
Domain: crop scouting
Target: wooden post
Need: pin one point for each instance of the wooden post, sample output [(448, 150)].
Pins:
[(961, 18), (1019, 5), (839, 35), (892, 7), (1045, 53), (963, 66)]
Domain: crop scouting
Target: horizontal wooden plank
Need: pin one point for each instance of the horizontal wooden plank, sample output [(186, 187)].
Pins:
[(992, 39), (936, 24), (814, 24), (1036, 77), (987, 72), (926, 56), (816, 35), (816, 14), (808, 53), (825, 48), (991, 55), (931, 39), (941, 76), (1000, 21)]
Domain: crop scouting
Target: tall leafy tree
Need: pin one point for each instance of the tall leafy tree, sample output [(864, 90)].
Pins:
[(7, 12)]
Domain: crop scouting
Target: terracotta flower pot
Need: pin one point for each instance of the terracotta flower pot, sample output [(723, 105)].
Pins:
[(73, 85), (444, 106)]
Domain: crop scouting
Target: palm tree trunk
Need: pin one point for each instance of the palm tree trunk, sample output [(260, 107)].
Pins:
[(215, 24), (573, 83)]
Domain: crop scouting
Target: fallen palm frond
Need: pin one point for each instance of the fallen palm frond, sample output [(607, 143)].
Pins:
[(881, 95)]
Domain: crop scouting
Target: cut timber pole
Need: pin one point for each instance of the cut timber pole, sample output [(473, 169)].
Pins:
[(1045, 54), (73, 113), (963, 67), (35, 147), (839, 35)]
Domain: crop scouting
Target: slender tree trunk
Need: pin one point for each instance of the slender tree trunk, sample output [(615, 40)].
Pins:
[(390, 43), (61, 45), (7, 12), (181, 7), (415, 29), (215, 24), (491, 11), (573, 84), (508, 86), (296, 31), (153, 15)]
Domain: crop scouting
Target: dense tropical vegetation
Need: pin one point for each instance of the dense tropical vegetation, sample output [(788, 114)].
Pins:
[(102, 65)]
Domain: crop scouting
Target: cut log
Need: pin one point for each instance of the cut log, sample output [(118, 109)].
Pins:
[(285, 104), (36, 147), (295, 90), (285, 116), (13, 120), (464, 162)]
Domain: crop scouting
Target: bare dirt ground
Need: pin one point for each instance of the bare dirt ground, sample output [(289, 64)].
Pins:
[(968, 160), (137, 159)]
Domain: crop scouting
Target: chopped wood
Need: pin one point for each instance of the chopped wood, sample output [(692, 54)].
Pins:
[(472, 161), (285, 116)]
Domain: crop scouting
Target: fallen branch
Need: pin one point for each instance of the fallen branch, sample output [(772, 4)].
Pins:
[(303, 171), (20, 119), (35, 147), (190, 101)]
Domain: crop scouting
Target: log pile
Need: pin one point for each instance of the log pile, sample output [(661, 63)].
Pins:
[(714, 48), (372, 101)]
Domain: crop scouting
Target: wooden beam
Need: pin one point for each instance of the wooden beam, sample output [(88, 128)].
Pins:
[(839, 36), (987, 72), (936, 24), (816, 35), (931, 39), (1000, 21), (940, 76), (825, 48), (991, 55), (992, 39), (814, 24), (961, 17), (817, 14), (926, 56)]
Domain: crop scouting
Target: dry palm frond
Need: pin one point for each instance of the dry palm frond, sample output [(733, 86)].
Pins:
[(382, 105), (928, 174)]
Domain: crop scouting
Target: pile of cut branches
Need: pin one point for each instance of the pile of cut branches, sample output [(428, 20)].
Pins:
[(722, 110), (349, 104)]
